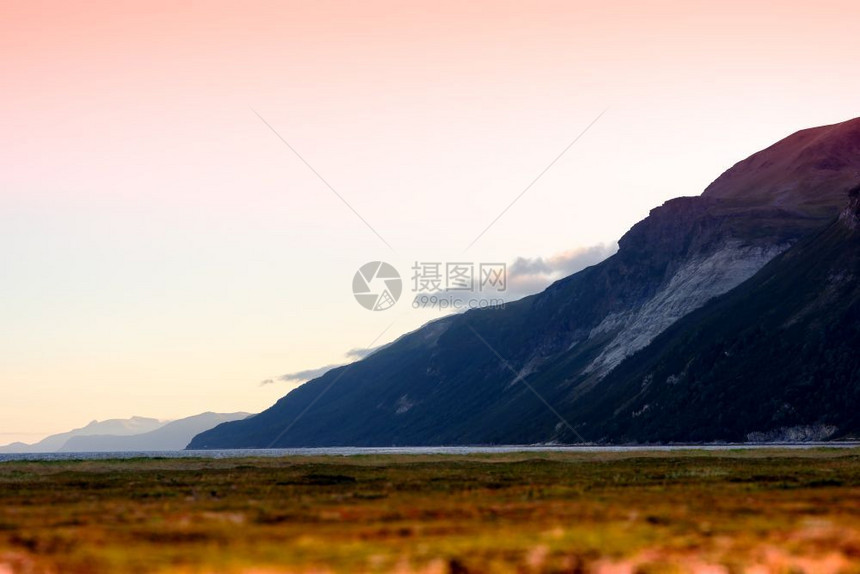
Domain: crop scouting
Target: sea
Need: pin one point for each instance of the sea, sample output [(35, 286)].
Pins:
[(406, 450)]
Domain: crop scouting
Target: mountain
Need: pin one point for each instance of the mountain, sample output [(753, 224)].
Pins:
[(127, 435), (774, 359), (172, 436), (807, 172), (120, 427), (475, 378)]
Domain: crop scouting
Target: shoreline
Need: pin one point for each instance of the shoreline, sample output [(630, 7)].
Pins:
[(217, 454)]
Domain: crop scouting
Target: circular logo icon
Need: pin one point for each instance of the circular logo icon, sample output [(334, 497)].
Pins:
[(377, 286)]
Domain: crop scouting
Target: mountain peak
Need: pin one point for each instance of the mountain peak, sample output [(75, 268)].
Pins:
[(808, 172)]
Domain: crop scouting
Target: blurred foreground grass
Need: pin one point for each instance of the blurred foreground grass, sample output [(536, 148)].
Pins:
[(697, 511)]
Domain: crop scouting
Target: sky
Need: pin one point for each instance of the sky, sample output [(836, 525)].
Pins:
[(174, 176)]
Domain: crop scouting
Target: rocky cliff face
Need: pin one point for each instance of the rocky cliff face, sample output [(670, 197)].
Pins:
[(773, 359), (443, 385), (697, 280), (850, 216)]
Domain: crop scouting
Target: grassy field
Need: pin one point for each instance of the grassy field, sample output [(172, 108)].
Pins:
[(697, 511)]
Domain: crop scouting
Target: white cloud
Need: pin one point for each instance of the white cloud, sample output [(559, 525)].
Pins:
[(528, 275)]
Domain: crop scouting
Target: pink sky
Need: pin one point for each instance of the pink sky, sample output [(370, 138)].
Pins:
[(162, 252)]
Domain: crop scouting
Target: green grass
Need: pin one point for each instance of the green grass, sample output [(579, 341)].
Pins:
[(781, 511)]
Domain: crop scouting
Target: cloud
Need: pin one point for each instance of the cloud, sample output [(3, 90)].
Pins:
[(299, 376), (529, 266), (360, 353), (525, 276), (528, 275), (306, 375), (355, 354)]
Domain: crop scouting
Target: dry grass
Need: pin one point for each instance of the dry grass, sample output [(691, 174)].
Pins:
[(757, 511)]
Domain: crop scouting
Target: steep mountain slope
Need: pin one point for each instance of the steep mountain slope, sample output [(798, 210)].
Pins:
[(807, 172), (120, 427), (174, 435), (777, 358), (453, 381)]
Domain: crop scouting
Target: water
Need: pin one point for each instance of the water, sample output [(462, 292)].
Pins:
[(356, 451)]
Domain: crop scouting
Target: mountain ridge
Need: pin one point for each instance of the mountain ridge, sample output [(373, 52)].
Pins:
[(54, 442), (791, 350), (132, 434), (174, 435), (443, 385)]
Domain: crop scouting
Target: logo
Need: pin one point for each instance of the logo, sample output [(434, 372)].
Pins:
[(377, 286)]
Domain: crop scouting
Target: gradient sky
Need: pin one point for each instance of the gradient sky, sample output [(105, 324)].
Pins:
[(162, 252)]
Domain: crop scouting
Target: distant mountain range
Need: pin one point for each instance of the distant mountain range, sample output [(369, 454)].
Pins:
[(728, 316), (128, 435)]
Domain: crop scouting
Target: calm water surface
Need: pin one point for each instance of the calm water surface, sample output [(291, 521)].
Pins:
[(355, 451)]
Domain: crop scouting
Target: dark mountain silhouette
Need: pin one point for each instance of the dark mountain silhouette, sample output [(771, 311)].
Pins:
[(473, 378)]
